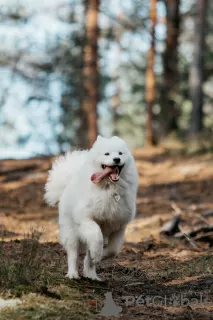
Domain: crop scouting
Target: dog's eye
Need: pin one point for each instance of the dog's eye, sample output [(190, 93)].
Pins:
[(107, 154), (120, 153)]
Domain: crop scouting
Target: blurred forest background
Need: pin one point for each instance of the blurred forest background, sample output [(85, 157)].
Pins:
[(140, 69), (69, 69)]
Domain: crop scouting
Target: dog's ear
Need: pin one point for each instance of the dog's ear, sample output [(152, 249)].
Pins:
[(99, 138), (117, 139)]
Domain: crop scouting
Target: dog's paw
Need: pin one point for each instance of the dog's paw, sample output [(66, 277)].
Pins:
[(72, 275), (92, 276), (96, 278)]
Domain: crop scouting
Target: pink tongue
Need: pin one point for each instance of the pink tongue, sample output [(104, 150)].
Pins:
[(114, 176), (99, 176)]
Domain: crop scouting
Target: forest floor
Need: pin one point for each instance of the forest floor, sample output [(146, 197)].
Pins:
[(155, 276)]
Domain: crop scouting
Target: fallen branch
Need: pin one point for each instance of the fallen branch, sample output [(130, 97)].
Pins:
[(203, 219), (171, 227), (206, 237), (133, 284), (180, 212), (207, 213), (195, 245), (194, 232), (176, 208)]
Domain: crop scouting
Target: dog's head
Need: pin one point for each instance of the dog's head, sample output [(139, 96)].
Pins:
[(110, 157)]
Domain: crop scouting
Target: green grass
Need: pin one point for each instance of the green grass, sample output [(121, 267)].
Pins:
[(34, 306), (34, 272), (198, 266)]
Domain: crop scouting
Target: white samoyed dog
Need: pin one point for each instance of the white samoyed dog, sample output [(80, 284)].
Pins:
[(96, 192)]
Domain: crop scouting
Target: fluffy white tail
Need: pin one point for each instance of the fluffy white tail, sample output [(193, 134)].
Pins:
[(59, 176)]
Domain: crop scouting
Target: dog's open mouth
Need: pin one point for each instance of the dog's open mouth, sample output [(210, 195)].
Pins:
[(113, 172)]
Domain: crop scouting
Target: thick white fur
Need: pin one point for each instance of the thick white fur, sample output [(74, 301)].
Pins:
[(91, 214), (63, 169)]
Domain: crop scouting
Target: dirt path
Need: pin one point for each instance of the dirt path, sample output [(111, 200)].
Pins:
[(154, 276)]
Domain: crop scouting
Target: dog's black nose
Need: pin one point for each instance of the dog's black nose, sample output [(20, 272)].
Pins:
[(116, 160)]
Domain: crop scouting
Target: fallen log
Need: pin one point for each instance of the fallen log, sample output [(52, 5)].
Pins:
[(20, 169)]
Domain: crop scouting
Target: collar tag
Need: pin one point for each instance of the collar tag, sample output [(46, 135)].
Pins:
[(117, 197)]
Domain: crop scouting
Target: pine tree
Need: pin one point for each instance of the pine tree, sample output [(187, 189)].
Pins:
[(90, 71), (170, 78), (197, 67), (150, 75)]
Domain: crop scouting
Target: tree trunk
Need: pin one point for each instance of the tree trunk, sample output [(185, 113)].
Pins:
[(116, 97), (196, 72), (150, 75), (91, 72), (115, 106), (169, 107)]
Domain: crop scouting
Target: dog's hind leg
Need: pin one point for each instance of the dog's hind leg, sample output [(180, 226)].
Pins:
[(90, 268), (91, 235), (114, 244)]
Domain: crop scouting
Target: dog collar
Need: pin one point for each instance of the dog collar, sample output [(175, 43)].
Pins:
[(116, 197)]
